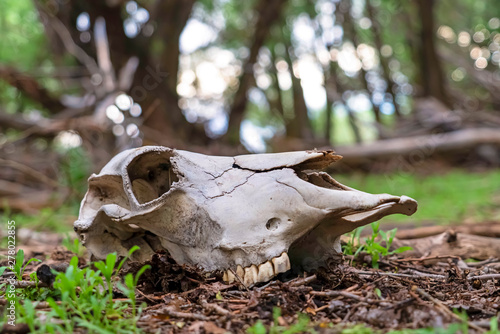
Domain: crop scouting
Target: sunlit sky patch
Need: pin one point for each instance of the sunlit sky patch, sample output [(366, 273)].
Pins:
[(195, 35)]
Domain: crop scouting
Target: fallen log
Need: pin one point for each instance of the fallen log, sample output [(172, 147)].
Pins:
[(419, 146), (451, 243), (482, 229)]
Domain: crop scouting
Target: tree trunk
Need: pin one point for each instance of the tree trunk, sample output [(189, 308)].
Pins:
[(300, 126), (276, 103), (155, 81), (156, 78), (268, 13), (431, 74)]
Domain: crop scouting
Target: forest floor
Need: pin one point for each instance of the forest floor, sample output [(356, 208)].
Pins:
[(443, 290), (432, 292), (406, 294)]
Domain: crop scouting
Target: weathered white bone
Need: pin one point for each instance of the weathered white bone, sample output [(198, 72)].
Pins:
[(242, 215)]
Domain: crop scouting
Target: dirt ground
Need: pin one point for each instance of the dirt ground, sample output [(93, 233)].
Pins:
[(407, 291)]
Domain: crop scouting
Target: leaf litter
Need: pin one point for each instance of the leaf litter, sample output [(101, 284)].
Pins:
[(405, 292)]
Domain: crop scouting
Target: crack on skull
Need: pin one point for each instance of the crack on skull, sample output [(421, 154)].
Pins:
[(235, 187), (192, 186), (236, 166), (214, 177)]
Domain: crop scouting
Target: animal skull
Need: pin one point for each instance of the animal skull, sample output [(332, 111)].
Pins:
[(250, 215)]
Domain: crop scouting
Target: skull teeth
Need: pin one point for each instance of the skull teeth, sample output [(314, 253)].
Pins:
[(261, 273)]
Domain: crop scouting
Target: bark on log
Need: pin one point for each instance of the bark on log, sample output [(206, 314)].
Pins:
[(481, 229), (421, 146), (450, 243)]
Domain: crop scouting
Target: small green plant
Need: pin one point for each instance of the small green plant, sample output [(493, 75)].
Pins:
[(353, 244), (83, 298), (372, 245), (128, 289), (73, 245), (18, 266), (493, 326)]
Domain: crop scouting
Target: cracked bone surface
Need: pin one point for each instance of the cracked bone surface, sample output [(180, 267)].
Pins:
[(250, 216)]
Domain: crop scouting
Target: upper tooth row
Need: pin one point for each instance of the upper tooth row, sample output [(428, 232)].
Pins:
[(261, 273)]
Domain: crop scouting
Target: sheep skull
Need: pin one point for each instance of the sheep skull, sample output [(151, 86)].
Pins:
[(248, 215)]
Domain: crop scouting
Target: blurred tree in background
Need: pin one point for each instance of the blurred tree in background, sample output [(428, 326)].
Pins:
[(227, 76)]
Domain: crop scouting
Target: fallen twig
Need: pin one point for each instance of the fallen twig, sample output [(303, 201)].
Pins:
[(239, 279), (147, 297), (486, 276), (26, 284), (414, 275), (37, 304), (427, 258), (400, 304), (216, 308), (185, 315), (349, 295), (482, 263), (302, 281)]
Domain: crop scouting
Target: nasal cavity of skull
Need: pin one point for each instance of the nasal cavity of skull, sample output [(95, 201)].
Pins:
[(151, 175), (322, 179), (273, 224)]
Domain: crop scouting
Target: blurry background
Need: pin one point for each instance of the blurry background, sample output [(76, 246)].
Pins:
[(405, 90)]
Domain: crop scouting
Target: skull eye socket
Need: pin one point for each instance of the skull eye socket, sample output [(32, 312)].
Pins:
[(151, 175)]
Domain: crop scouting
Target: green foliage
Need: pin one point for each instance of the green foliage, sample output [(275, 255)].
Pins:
[(359, 329), (23, 45), (128, 289), (22, 33), (47, 220), (18, 269), (82, 297), (373, 244), (493, 326)]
